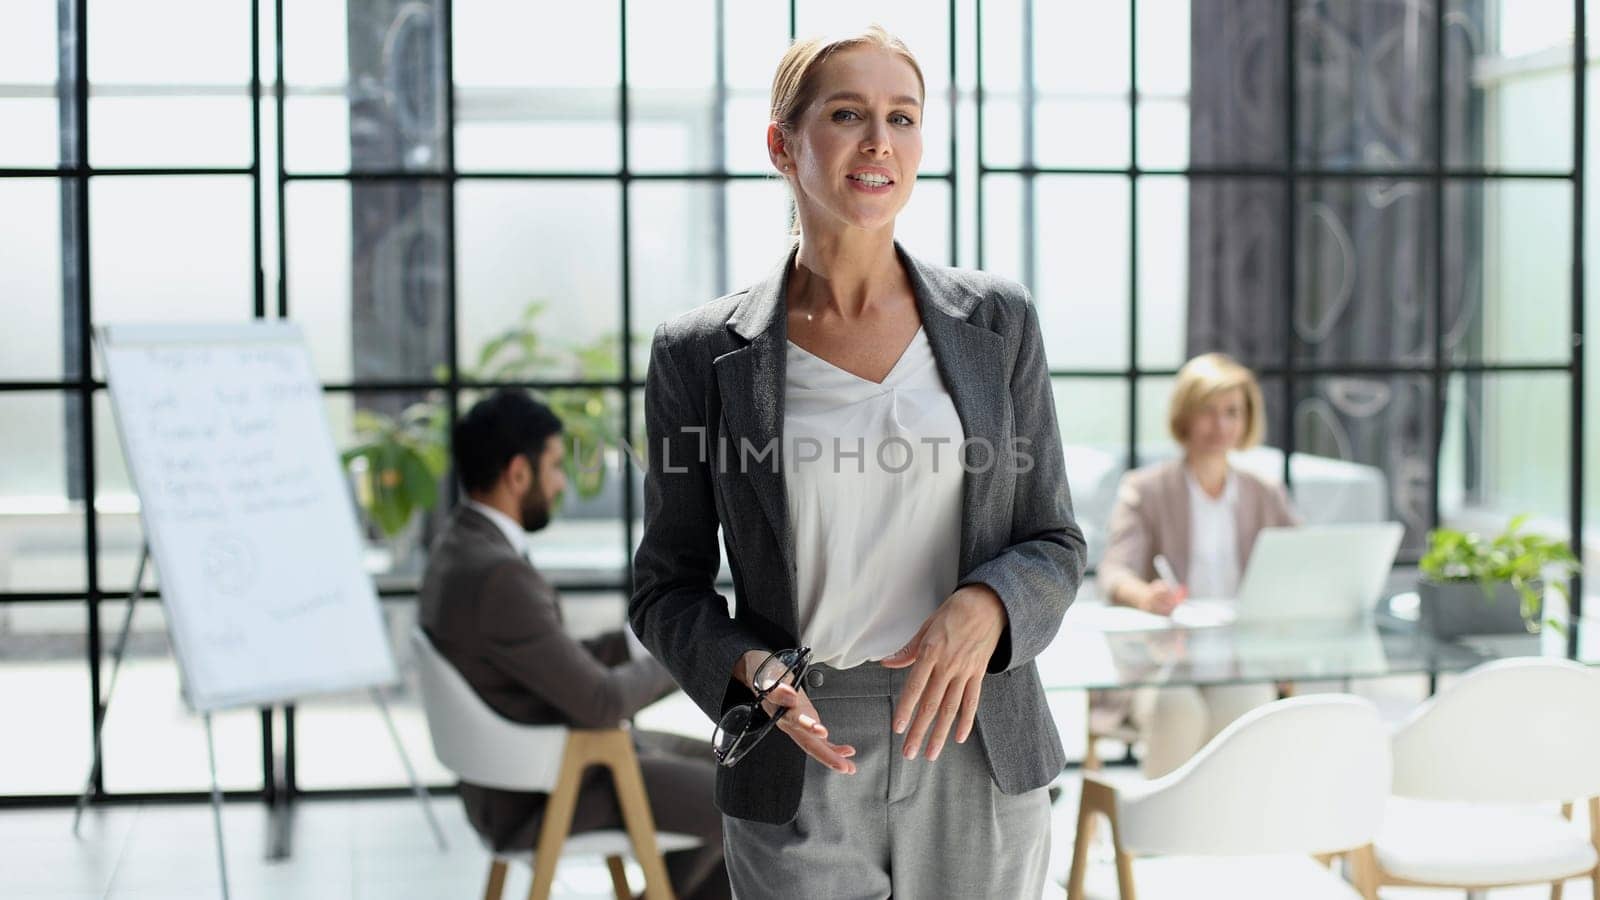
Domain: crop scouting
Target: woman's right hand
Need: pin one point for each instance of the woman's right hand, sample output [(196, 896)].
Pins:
[(1160, 598), (805, 728), (801, 722)]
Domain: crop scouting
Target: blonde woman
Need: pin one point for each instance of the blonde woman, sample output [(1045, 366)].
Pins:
[(1202, 514), (876, 439)]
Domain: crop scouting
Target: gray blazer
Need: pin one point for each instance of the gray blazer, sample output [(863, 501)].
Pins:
[(716, 378)]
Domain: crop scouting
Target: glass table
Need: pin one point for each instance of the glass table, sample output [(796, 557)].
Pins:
[(1102, 647)]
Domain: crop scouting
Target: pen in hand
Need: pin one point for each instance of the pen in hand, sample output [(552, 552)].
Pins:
[(1174, 593), (1164, 569)]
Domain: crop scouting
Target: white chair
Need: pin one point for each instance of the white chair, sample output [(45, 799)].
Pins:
[(483, 748), (1479, 772), (1298, 782)]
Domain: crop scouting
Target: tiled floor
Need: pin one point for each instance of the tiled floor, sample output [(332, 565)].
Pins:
[(342, 849), (360, 849)]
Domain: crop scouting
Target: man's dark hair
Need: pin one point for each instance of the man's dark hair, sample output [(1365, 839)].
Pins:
[(498, 428)]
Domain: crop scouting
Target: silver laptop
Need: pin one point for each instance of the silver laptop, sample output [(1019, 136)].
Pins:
[(1319, 573)]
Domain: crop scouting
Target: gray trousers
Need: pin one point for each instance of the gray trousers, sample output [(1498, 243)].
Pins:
[(908, 829)]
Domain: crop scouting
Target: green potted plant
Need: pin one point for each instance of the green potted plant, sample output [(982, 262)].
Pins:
[(1471, 585), (397, 464), (398, 461)]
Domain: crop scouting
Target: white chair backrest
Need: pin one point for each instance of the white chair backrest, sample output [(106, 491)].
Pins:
[(1304, 775), (474, 741), (1512, 731)]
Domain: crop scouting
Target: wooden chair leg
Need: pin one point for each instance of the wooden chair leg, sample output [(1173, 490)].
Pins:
[(497, 880), (1594, 838), (1099, 797), (558, 812), (1080, 848), (1364, 872), (1091, 763), (619, 878), (545, 859), (618, 755), (613, 749), (1125, 888), (1559, 888)]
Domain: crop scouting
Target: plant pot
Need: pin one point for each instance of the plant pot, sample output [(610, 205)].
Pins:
[(1452, 609)]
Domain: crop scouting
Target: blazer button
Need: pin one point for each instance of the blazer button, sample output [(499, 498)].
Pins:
[(814, 678)]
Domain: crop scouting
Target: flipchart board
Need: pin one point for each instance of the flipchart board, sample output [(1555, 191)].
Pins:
[(249, 519)]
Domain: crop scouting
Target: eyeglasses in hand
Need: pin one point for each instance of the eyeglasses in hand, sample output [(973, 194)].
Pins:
[(743, 726)]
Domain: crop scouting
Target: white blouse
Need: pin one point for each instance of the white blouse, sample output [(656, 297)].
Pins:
[(1213, 540), (874, 479)]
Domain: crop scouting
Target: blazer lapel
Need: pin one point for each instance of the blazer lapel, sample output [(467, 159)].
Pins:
[(752, 378), (971, 360), (1247, 520)]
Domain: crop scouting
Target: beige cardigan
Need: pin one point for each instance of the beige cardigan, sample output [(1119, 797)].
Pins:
[(1152, 517)]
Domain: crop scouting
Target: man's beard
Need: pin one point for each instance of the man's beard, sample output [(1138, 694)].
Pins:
[(535, 510)]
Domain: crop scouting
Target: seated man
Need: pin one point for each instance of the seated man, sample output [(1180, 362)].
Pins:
[(490, 613)]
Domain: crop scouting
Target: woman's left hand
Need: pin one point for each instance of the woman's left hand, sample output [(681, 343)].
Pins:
[(950, 655)]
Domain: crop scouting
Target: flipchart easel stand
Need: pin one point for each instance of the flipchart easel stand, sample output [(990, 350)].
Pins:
[(280, 800)]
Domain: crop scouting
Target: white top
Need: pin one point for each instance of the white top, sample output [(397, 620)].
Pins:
[(873, 478), (1213, 540)]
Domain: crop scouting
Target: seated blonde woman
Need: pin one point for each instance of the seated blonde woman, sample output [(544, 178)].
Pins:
[(1202, 515)]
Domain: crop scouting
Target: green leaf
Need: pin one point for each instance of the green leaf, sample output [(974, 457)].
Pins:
[(417, 484), (492, 348), (1564, 590), (391, 517), (437, 459)]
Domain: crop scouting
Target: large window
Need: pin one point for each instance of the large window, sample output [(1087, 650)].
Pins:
[(1372, 203)]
